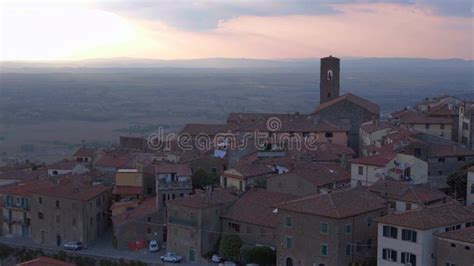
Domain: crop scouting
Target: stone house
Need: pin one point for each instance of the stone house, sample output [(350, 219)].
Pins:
[(466, 124), (245, 175), (409, 237), (310, 179), (194, 222), (112, 161), (455, 247), (371, 133), (434, 125), (87, 156), (337, 228), (365, 171), (69, 211), (16, 208), (173, 180), (404, 196), (252, 217), (132, 184), (141, 222)]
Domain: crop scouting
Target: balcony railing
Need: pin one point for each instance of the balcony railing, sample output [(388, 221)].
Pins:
[(174, 184)]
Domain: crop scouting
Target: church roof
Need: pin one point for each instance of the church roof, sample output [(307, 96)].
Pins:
[(369, 106)]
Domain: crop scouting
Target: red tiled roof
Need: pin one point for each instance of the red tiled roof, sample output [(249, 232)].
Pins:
[(376, 160), (24, 189), (430, 217), (84, 152), (45, 261), (63, 165), (113, 160), (319, 174), (464, 235), (146, 207), (181, 169), (338, 204), (74, 190), (371, 127), (127, 190), (369, 106), (404, 191), (244, 170), (439, 150), (256, 207), (203, 200), (208, 129), (442, 110)]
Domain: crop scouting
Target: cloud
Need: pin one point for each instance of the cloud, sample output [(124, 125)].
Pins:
[(206, 15)]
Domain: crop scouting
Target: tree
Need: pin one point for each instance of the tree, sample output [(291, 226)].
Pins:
[(263, 256), (229, 246), (201, 179), (457, 182)]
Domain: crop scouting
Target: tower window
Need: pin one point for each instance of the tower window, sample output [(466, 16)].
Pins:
[(329, 95), (329, 75)]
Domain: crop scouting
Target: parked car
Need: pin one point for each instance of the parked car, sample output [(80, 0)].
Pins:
[(171, 257), (153, 246), (216, 258), (73, 246)]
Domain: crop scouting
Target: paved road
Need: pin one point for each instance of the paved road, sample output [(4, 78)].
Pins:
[(101, 249)]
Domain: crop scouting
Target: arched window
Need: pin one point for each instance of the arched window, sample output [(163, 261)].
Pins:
[(289, 262), (329, 75)]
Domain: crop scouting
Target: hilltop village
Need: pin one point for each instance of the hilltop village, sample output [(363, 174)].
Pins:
[(396, 190)]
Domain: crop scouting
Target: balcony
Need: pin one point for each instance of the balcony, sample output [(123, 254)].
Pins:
[(182, 222), (174, 184)]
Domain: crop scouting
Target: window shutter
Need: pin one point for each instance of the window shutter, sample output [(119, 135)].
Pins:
[(384, 254), (414, 236), (394, 255)]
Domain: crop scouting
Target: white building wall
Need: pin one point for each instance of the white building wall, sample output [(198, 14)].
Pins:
[(470, 184)]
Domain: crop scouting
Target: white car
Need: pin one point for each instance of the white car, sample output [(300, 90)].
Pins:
[(73, 246), (216, 258), (153, 246), (171, 257)]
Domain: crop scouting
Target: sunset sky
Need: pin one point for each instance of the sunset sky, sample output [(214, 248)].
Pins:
[(65, 30)]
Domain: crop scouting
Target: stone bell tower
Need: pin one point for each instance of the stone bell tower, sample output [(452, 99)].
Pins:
[(329, 81)]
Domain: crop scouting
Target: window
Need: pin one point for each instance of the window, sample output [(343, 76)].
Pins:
[(472, 189), (348, 229), (361, 170), (369, 243), (328, 135), (408, 259), (288, 221), (324, 249), (469, 224), (450, 264), (440, 172), (348, 250), (442, 126), (427, 126), (408, 206), (234, 227), (389, 254), (90, 221), (329, 75), (214, 170), (40, 200), (409, 235), (148, 230), (57, 204), (148, 219), (389, 231), (461, 158), (441, 159), (417, 152), (369, 221), (324, 228), (40, 215), (289, 242)]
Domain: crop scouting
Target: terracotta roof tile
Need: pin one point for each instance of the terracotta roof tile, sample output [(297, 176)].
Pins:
[(74, 190), (256, 207), (404, 191), (430, 217), (181, 169), (464, 235), (320, 174), (369, 106), (24, 189), (127, 190), (338, 204), (420, 118), (371, 127), (145, 207), (203, 199), (85, 152), (376, 160)]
